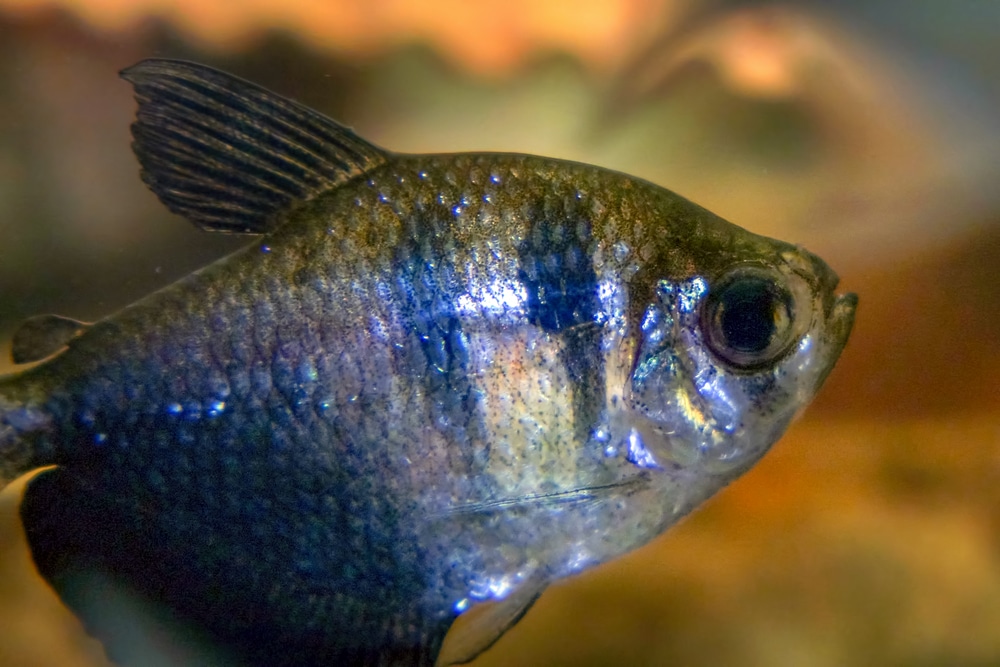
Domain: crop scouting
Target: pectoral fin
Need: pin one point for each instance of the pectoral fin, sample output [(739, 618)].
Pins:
[(484, 625)]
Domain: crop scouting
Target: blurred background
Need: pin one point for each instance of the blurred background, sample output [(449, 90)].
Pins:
[(866, 131)]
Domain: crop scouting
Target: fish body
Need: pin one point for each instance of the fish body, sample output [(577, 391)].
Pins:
[(433, 381)]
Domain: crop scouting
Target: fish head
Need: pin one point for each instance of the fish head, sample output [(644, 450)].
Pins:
[(730, 350)]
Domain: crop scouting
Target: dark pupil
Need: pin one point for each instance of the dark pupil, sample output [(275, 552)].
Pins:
[(747, 315)]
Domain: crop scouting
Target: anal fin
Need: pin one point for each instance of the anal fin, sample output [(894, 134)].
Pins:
[(74, 543), (151, 607)]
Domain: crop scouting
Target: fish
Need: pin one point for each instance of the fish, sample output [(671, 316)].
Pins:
[(429, 385)]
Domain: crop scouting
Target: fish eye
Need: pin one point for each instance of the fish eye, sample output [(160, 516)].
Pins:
[(747, 318)]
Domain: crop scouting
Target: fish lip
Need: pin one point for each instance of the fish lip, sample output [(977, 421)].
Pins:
[(842, 314), (826, 278), (838, 308), (840, 321)]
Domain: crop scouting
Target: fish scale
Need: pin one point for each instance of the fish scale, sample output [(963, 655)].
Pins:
[(426, 386)]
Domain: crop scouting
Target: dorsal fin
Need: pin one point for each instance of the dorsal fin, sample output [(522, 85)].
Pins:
[(42, 336), (229, 155)]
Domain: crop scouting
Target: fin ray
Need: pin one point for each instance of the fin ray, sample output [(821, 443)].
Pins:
[(209, 141), (207, 154), (585, 494), (267, 114), (213, 138)]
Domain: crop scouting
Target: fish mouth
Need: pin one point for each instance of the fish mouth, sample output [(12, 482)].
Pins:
[(841, 316), (839, 323), (839, 308)]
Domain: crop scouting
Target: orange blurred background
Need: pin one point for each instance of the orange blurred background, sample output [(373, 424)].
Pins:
[(868, 133)]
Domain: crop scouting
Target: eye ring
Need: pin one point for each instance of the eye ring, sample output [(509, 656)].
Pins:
[(748, 318)]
